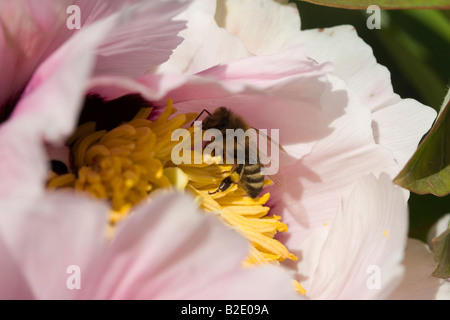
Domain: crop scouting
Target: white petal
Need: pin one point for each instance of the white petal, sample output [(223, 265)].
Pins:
[(309, 252), (353, 62), (367, 240), (400, 127), (205, 43), (438, 228), (418, 283), (317, 185), (264, 26)]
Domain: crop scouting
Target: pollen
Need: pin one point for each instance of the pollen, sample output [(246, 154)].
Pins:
[(126, 164)]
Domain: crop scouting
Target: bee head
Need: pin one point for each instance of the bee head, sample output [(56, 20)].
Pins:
[(219, 119)]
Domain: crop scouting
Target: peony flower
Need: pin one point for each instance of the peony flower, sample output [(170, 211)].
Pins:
[(46, 232), (337, 225)]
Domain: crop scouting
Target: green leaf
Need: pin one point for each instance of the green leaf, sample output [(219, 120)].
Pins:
[(434, 19), (425, 210), (446, 102), (441, 251), (406, 52), (384, 4), (428, 171)]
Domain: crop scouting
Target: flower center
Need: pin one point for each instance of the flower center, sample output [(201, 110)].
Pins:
[(125, 164), (122, 165)]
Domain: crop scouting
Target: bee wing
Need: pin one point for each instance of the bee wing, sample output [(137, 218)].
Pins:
[(258, 153), (272, 164), (275, 143)]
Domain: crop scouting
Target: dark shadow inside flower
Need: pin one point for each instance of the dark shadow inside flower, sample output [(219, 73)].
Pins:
[(7, 108), (110, 114)]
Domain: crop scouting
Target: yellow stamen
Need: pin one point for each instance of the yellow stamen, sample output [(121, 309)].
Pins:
[(61, 181), (177, 177), (121, 165), (298, 287)]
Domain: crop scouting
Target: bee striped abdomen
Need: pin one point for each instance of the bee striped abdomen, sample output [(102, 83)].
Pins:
[(252, 180), (252, 169)]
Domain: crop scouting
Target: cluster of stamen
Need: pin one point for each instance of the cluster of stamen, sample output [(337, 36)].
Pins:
[(122, 165)]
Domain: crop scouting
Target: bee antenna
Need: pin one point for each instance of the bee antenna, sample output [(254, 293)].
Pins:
[(204, 110)]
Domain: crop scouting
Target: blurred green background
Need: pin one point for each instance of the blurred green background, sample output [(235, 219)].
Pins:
[(415, 46)]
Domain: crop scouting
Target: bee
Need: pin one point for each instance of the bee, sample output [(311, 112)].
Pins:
[(248, 174)]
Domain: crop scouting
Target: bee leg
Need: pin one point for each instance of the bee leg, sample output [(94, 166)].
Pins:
[(204, 110), (224, 185), (233, 178), (240, 169)]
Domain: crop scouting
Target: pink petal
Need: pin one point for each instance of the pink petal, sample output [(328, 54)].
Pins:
[(32, 31), (23, 167), (27, 37), (144, 40), (418, 283), (367, 236), (52, 233), (55, 93), (167, 249), (12, 281)]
